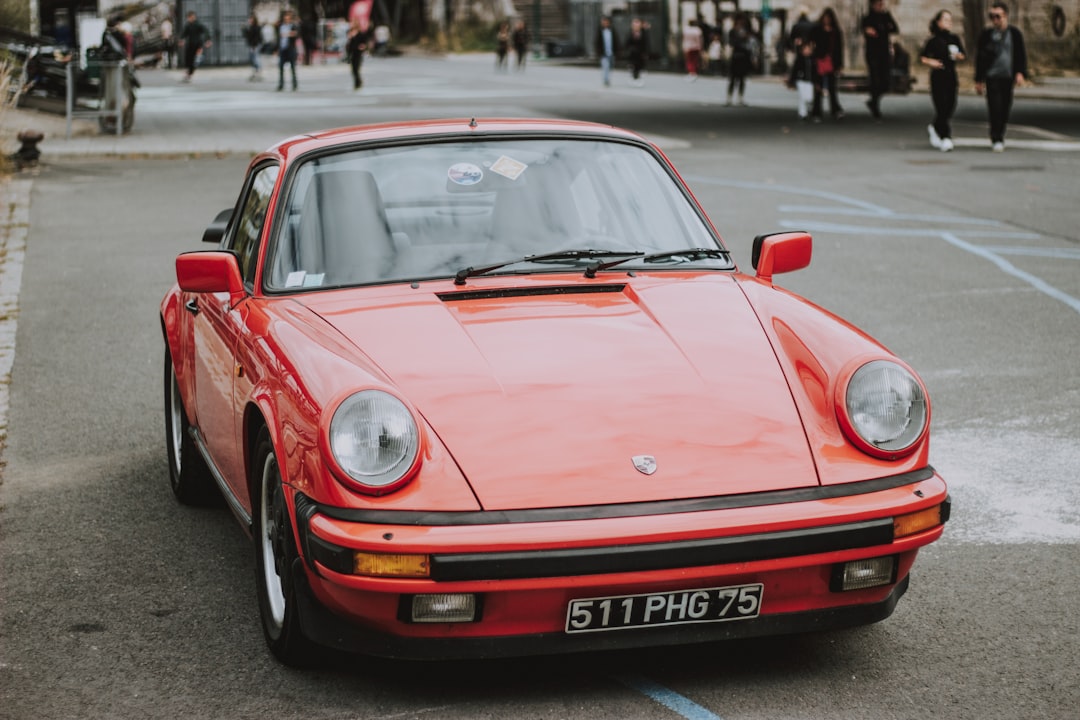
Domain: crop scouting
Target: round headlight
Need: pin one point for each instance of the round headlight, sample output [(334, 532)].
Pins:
[(374, 438), (886, 406)]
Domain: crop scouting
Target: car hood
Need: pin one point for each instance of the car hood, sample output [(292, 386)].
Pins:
[(546, 394)]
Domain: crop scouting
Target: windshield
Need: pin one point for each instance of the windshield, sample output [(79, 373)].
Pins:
[(433, 210)]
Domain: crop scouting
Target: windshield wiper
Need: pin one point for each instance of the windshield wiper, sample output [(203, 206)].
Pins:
[(462, 275), (689, 254)]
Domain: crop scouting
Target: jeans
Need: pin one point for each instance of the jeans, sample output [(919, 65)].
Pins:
[(286, 57), (605, 67)]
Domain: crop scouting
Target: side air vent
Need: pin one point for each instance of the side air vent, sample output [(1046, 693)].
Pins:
[(529, 292)]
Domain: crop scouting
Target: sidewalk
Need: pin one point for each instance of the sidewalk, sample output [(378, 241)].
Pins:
[(162, 129)]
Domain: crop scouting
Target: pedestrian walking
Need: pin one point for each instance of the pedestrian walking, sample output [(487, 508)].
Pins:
[(637, 50), (804, 79), (520, 40), (743, 46), (801, 31), (1000, 65), (287, 34), (692, 42), (358, 43), (502, 45), (715, 52), (828, 42), (941, 53), (194, 39), (253, 40), (877, 26), (309, 33), (607, 47)]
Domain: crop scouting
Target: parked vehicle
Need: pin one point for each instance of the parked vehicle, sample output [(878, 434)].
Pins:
[(496, 387)]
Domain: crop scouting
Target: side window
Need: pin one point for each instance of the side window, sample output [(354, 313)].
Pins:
[(245, 239)]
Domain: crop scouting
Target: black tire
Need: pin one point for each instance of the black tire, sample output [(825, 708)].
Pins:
[(190, 478), (275, 552)]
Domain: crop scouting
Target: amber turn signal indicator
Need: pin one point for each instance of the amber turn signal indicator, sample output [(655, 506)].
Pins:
[(391, 564), (912, 523)]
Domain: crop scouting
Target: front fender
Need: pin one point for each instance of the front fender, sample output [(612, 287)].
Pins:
[(295, 370), (176, 332), (816, 350)]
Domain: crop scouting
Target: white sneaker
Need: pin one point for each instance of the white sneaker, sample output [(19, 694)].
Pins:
[(946, 145), (935, 141), (998, 147)]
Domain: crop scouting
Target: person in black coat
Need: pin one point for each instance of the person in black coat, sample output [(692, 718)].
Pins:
[(828, 42), (194, 38), (358, 43), (941, 53), (288, 32), (1000, 65), (804, 79), (877, 26), (607, 47), (637, 49)]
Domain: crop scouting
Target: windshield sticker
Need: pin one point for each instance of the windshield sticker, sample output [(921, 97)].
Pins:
[(509, 167), (295, 279), (465, 174)]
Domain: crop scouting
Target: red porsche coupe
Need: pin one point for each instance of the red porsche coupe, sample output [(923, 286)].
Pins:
[(496, 387)]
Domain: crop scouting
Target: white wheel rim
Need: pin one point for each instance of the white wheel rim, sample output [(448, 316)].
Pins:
[(275, 596), (176, 422)]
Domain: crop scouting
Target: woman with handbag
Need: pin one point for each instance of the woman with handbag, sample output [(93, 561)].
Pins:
[(829, 55)]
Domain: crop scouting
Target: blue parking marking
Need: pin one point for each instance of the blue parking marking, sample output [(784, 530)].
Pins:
[(668, 698)]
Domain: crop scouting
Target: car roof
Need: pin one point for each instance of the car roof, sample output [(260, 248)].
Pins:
[(463, 127)]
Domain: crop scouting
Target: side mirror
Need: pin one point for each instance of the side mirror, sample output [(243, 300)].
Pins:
[(780, 253), (216, 230), (212, 271)]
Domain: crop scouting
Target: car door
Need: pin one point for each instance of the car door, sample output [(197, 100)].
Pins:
[(218, 327)]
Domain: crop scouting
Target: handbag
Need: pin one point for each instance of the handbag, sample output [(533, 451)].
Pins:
[(824, 65)]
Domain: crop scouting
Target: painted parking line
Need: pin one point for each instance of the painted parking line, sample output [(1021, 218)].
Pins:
[(1009, 269), (668, 698), (1045, 145), (854, 207)]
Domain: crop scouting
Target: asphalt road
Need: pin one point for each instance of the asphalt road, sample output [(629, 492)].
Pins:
[(115, 602)]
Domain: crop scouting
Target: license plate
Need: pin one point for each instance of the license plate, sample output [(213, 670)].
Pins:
[(620, 612)]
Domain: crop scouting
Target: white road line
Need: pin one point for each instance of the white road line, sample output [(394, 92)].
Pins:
[(1009, 269)]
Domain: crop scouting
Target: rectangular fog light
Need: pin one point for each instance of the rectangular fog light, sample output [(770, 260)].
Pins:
[(861, 574), (444, 608)]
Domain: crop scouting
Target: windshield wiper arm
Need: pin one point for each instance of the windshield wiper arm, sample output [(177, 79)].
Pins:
[(691, 253), (462, 275)]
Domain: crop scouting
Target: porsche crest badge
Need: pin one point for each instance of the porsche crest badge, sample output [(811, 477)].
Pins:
[(645, 464)]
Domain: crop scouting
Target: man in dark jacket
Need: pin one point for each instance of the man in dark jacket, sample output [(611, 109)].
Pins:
[(1000, 65), (607, 47), (194, 38), (877, 26)]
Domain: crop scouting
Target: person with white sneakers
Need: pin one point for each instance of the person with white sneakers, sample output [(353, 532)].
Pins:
[(1000, 65), (941, 53)]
